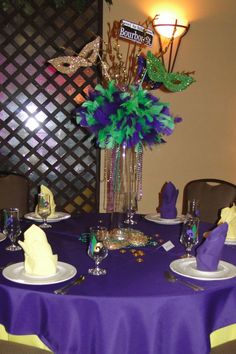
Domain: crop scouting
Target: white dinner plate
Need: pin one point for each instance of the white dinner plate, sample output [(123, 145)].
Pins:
[(230, 242), (16, 273), (2, 237), (156, 218), (58, 216), (188, 268)]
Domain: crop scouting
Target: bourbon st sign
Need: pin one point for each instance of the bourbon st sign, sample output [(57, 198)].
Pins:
[(136, 33)]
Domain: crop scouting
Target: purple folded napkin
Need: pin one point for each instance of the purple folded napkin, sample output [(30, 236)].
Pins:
[(169, 197), (209, 253)]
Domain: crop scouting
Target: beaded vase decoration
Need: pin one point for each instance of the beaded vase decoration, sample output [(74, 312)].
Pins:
[(122, 174)]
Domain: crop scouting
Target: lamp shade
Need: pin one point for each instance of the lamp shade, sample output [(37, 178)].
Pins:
[(168, 26)]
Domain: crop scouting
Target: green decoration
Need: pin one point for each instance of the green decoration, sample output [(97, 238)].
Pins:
[(132, 117), (174, 82), (93, 244), (194, 229)]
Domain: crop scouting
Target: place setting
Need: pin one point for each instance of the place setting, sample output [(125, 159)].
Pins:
[(40, 266), (45, 210), (167, 212), (207, 264)]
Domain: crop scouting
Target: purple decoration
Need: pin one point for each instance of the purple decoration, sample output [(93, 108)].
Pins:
[(166, 110), (101, 117), (178, 119), (190, 233), (141, 65), (169, 197), (167, 131), (209, 252)]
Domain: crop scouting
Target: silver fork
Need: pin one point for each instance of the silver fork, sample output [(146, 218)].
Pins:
[(64, 289), (172, 278)]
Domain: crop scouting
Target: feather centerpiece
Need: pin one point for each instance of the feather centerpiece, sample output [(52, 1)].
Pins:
[(134, 116), (123, 121)]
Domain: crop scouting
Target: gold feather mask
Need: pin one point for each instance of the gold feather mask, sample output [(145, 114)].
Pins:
[(86, 57)]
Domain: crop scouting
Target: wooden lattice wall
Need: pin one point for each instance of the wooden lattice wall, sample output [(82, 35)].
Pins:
[(38, 135)]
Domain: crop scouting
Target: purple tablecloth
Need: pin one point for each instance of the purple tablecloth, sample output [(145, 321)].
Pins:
[(131, 310)]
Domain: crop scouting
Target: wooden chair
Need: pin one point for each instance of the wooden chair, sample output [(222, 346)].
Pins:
[(213, 195), (14, 191)]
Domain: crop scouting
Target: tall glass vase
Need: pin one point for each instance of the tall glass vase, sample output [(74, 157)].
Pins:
[(123, 186)]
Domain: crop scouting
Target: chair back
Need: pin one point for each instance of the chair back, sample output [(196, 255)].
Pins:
[(213, 195), (14, 192)]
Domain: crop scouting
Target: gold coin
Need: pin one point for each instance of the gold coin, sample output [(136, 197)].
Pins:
[(141, 253)]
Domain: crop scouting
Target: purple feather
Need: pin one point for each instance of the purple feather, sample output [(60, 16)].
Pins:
[(101, 116), (178, 119)]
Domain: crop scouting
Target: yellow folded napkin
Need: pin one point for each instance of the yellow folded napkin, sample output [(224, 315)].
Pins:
[(45, 190), (229, 215), (39, 259)]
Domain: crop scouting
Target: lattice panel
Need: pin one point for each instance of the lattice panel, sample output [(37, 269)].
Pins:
[(38, 135)]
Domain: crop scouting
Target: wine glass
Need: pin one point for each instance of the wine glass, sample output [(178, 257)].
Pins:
[(11, 227), (44, 209), (131, 207), (97, 250), (193, 207), (189, 236)]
